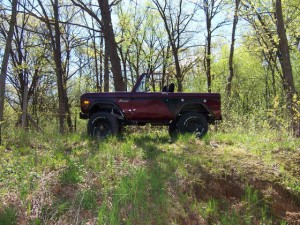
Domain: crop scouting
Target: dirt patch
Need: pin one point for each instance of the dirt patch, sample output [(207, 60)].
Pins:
[(65, 191), (219, 188), (283, 204), (290, 159)]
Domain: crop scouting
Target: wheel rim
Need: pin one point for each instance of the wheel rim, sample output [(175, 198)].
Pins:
[(101, 128), (194, 125)]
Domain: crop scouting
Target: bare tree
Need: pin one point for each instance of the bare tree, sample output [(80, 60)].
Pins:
[(176, 23), (230, 63), (5, 60), (133, 36), (27, 60), (55, 37), (212, 9), (109, 37), (110, 41)]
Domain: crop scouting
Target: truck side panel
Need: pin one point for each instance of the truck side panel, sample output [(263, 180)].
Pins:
[(150, 107)]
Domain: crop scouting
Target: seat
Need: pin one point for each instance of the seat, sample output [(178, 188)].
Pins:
[(171, 87), (164, 88)]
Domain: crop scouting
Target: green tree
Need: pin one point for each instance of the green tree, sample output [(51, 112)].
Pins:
[(265, 18), (288, 78)]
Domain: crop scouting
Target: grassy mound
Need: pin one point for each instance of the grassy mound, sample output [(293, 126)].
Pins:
[(145, 178)]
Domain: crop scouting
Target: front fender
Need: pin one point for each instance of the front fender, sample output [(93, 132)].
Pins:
[(106, 106)]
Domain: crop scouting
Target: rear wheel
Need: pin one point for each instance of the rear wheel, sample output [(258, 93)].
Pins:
[(193, 123), (102, 125)]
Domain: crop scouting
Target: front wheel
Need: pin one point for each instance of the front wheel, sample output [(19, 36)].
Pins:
[(102, 125), (193, 123), (173, 130)]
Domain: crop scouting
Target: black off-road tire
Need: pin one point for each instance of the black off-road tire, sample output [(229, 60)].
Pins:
[(102, 125), (193, 123), (173, 130)]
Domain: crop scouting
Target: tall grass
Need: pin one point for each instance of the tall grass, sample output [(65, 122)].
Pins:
[(139, 177)]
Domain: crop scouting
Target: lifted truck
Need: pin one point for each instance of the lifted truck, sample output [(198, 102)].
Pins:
[(150, 102)]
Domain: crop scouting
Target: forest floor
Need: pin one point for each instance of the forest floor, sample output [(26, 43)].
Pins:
[(143, 177)]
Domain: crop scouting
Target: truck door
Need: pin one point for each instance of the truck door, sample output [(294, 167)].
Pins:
[(150, 106)]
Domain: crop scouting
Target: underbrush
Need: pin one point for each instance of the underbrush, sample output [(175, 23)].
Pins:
[(143, 177)]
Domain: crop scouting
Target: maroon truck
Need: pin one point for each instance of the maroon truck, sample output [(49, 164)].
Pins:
[(150, 102)]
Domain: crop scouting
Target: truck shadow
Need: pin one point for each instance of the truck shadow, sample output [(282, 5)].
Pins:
[(175, 185), (167, 186)]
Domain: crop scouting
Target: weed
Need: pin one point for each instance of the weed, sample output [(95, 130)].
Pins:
[(127, 195), (56, 210), (24, 151), (210, 210), (36, 221), (87, 199), (127, 149), (8, 216), (251, 196), (132, 203), (206, 139), (230, 218), (72, 174), (255, 205), (185, 138)]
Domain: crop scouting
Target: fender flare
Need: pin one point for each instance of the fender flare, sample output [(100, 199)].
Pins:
[(197, 107), (108, 106)]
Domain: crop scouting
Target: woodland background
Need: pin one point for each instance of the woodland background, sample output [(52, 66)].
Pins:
[(244, 171), (53, 51)]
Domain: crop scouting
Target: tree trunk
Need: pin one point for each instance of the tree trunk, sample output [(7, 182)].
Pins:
[(178, 69), (231, 72), (106, 70), (208, 63), (207, 59), (123, 61), (98, 87), (54, 35), (166, 56), (110, 41), (59, 70), (35, 124), (5, 60), (101, 63), (287, 72), (25, 103)]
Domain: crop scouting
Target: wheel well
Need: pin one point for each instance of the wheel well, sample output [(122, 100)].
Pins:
[(109, 108), (192, 107)]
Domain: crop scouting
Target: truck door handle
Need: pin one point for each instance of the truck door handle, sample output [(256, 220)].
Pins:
[(123, 100)]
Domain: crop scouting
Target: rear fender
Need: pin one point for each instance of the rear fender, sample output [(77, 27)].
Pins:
[(195, 107)]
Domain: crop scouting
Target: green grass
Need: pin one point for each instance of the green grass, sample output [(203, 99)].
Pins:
[(8, 216), (143, 177), (71, 174)]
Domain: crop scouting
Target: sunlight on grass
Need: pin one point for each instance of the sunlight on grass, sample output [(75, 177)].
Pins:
[(145, 177)]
